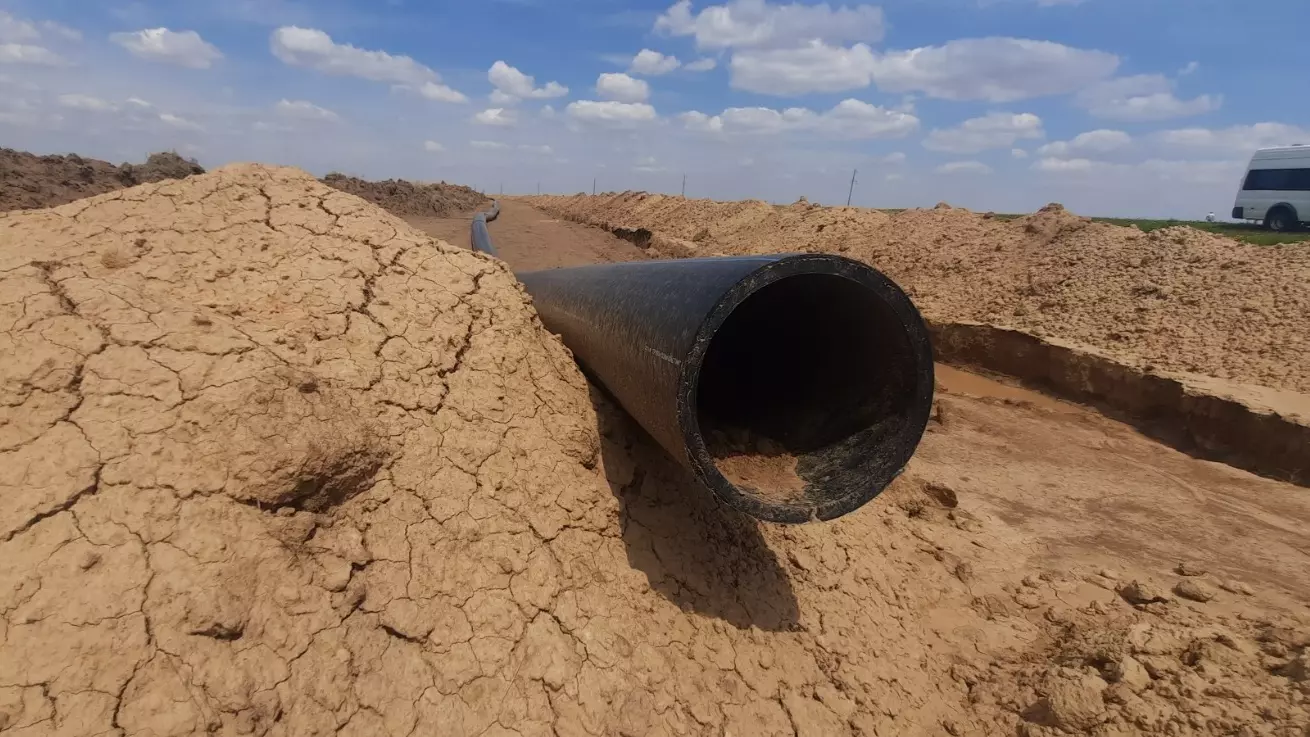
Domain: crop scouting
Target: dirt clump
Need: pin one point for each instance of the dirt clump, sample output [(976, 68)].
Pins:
[(769, 475), (1194, 590), (162, 166), (1165, 675), (1052, 221), (29, 182), (1176, 299), (405, 198)]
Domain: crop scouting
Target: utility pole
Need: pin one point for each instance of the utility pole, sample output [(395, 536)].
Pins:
[(593, 186), (502, 190), (851, 193), (538, 188), (684, 185)]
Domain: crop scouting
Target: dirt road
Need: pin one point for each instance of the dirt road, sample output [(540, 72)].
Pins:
[(529, 239), (1091, 492)]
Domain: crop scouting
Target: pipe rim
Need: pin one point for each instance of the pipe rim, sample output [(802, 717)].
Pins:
[(783, 267)]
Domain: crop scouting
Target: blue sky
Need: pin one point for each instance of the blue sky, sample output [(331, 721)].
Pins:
[(1112, 107)]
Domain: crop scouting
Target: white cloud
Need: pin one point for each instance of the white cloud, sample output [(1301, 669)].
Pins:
[(1056, 165), (495, 116), (1018, 153), (760, 24), (177, 121), (1097, 141), (621, 87), (512, 83), (653, 63), (138, 102), (992, 69), (701, 65), (182, 48), (28, 54), (648, 164), (438, 92), (1193, 172), (964, 167), (994, 130), (17, 30), (314, 49), (433, 147), (1204, 172), (1144, 97), (849, 119), (893, 158), (814, 67), (610, 113), (64, 32), (695, 120), (1240, 140), (303, 110), (500, 98), (86, 102), (543, 149), (1191, 68), (489, 145), (547, 111), (765, 120), (853, 119)]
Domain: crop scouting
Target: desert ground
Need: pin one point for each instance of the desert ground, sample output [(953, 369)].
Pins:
[(282, 456)]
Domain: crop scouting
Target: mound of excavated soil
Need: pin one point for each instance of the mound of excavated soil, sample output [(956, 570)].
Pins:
[(403, 198), (1176, 299), (273, 463), (29, 182)]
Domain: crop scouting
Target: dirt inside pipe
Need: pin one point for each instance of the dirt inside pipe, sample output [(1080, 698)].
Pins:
[(758, 465)]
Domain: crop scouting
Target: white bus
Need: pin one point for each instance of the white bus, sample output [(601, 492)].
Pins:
[(1276, 189)]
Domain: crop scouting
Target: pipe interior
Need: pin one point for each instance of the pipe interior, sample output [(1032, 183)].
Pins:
[(805, 395)]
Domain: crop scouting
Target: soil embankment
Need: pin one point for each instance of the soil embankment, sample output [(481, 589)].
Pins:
[(29, 182)]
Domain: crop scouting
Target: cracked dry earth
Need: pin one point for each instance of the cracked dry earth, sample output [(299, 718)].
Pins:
[(273, 463)]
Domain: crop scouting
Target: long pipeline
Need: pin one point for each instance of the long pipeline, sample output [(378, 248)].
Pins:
[(480, 238), (795, 387)]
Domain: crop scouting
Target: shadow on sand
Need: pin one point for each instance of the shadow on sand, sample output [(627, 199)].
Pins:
[(696, 553)]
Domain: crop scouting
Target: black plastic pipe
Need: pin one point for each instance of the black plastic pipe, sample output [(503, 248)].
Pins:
[(794, 387), (479, 237)]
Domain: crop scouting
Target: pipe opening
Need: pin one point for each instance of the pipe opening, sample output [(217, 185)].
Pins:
[(806, 396)]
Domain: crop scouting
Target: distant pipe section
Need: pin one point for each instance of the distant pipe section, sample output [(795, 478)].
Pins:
[(795, 387), (480, 237)]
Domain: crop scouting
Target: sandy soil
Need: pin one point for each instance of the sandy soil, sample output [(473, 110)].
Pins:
[(29, 182), (528, 239), (1176, 299), (274, 463)]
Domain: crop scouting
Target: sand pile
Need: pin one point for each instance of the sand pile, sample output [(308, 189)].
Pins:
[(403, 198), (273, 463), (29, 182), (1177, 299)]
